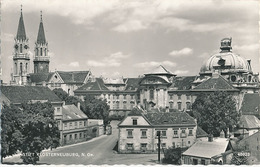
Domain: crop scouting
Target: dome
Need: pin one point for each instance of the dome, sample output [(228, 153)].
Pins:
[(225, 61)]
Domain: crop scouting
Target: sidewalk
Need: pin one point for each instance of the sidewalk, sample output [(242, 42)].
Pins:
[(61, 147)]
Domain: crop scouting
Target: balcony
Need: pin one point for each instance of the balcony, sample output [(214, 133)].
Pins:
[(21, 56)]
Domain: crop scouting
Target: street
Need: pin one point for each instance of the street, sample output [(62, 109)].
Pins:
[(97, 151)]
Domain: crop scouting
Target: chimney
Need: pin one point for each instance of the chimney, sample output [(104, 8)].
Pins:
[(228, 134), (210, 138), (78, 104)]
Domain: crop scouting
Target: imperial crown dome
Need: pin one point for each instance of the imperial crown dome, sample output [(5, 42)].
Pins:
[(225, 61)]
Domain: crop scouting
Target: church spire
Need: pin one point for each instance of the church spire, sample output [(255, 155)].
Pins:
[(41, 36), (21, 30)]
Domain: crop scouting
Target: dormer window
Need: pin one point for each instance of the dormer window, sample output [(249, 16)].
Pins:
[(134, 121)]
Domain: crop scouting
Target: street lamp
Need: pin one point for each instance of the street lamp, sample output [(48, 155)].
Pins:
[(159, 143)]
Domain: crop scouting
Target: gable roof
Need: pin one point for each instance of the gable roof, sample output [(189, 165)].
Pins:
[(71, 112), (20, 94), (251, 104), (208, 149), (40, 77), (215, 83), (132, 83), (169, 118), (249, 122), (97, 85), (160, 70), (73, 76), (182, 83), (200, 132)]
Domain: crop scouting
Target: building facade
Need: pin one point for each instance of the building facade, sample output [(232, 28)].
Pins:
[(137, 131)]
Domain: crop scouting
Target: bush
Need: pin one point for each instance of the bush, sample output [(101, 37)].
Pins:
[(173, 155)]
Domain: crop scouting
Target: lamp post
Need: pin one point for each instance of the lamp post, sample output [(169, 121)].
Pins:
[(159, 144)]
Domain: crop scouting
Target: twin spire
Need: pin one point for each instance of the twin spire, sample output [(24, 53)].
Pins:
[(21, 35)]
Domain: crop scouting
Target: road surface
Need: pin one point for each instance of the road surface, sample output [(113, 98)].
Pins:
[(97, 151)]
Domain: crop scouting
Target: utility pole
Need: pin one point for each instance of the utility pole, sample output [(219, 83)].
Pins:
[(159, 144)]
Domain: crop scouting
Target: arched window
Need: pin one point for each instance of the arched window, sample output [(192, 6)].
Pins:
[(15, 68), (37, 52), (41, 51), (151, 94), (26, 67), (21, 68), (45, 50), (21, 48)]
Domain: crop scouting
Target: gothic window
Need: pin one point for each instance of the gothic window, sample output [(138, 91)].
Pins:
[(26, 67), (41, 51), (21, 48), (15, 68), (21, 68), (151, 94), (37, 52)]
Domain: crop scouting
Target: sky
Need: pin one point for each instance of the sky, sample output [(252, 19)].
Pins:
[(115, 38)]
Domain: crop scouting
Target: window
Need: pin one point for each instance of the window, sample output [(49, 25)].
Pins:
[(76, 136), (45, 51), (124, 105), (76, 124), (163, 145), (143, 146), (129, 133), (132, 105), (171, 97), (188, 106), (188, 97), (175, 134), (117, 105), (203, 162), (26, 67), (58, 109), (190, 132), (173, 144), (108, 96), (164, 133), (70, 124), (124, 97), (183, 133), (188, 142), (171, 105), (80, 123), (70, 137), (41, 51), (117, 97), (132, 97), (129, 146), (179, 97), (85, 123), (179, 105), (80, 135), (21, 68), (15, 68), (21, 48), (37, 52), (134, 121), (151, 94), (65, 125), (143, 133)]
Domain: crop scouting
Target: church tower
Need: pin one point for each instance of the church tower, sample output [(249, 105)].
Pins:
[(21, 58), (41, 59)]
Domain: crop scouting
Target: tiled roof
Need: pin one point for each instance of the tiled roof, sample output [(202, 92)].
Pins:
[(135, 112), (97, 85), (40, 77), (160, 70), (73, 76), (207, 149), (215, 83), (20, 94), (21, 35), (249, 122), (200, 132), (132, 83), (169, 118), (182, 83), (251, 104), (72, 112), (41, 36)]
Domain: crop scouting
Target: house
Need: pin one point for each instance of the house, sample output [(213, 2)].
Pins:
[(250, 123), (67, 80), (24, 94), (251, 144), (137, 131), (207, 152)]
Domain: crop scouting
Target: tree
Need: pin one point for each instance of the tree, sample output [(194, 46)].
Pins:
[(173, 155), (215, 112), (96, 108), (65, 97), (33, 128)]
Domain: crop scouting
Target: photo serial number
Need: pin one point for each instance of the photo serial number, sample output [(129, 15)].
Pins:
[(59, 154)]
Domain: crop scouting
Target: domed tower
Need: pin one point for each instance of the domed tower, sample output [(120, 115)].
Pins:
[(21, 58), (41, 59), (233, 67)]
